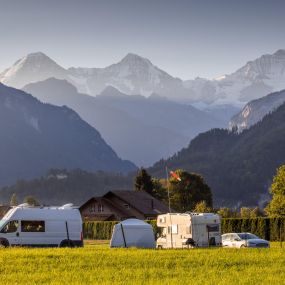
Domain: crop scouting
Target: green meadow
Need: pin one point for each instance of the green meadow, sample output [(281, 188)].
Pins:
[(96, 263)]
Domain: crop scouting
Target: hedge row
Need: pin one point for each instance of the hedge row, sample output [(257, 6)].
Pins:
[(267, 228), (272, 229), (103, 230)]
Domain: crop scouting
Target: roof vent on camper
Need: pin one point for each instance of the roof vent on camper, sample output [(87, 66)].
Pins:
[(66, 206)]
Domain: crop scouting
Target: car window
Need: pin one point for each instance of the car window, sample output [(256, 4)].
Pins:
[(33, 226), (226, 237), (247, 236), (10, 227), (234, 237)]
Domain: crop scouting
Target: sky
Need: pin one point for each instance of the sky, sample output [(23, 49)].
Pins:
[(186, 38)]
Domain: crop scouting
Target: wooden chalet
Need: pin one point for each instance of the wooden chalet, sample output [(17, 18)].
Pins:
[(120, 205)]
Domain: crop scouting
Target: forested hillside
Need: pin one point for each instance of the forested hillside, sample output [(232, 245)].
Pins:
[(238, 167), (61, 186)]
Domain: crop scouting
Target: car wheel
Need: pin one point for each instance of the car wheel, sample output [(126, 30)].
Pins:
[(159, 247), (4, 243), (242, 246)]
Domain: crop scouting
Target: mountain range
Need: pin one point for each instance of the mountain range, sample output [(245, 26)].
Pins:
[(238, 167), (36, 137), (139, 129), (135, 75)]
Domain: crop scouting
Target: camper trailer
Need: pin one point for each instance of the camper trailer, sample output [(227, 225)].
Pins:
[(42, 226), (189, 230)]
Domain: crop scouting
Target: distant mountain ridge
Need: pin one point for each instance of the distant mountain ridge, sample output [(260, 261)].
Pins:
[(135, 75), (238, 167), (36, 137), (254, 80), (255, 110), (140, 129)]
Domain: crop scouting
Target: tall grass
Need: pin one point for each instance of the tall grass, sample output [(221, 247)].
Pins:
[(101, 265)]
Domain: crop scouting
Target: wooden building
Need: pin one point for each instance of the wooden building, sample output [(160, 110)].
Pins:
[(120, 205)]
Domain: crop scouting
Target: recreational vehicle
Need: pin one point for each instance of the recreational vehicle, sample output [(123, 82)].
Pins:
[(189, 230), (42, 226)]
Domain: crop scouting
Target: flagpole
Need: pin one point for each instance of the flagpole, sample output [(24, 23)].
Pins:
[(167, 181)]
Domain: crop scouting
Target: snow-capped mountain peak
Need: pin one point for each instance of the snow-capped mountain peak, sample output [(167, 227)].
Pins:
[(134, 59), (31, 68)]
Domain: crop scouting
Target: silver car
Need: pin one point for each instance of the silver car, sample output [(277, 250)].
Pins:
[(241, 240)]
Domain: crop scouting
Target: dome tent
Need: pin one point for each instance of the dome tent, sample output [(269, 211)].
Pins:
[(133, 233)]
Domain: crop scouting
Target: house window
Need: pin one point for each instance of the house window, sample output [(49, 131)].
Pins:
[(32, 226), (127, 206), (100, 208), (92, 208)]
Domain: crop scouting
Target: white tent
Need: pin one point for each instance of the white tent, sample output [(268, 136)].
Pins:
[(133, 233)]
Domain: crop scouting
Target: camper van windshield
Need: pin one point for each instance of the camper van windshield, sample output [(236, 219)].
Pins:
[(2, 222)]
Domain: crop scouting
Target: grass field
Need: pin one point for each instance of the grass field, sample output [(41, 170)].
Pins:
[(97, 264)]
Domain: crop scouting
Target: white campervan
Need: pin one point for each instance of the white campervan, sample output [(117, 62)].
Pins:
[(42, 226), (189, 230)]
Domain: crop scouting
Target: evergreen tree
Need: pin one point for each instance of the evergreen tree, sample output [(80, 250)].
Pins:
[(32, 201), (201, 207), (14, 201), (143, 182), (276, 207), (159, 191), (225, 212)]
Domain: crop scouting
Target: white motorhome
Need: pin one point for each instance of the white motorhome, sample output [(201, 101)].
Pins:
[(189, 230), (42, 226)]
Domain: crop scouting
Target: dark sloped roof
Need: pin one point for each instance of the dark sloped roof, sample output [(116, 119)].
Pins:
[(103, 201), (142, 201)]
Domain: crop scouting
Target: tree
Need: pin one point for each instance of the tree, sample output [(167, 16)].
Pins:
[(201, 207), (245, 212), (192, 189), (225, 212), (32, 201), (143, 182), (13, 201), (276, 207), (159, 191)]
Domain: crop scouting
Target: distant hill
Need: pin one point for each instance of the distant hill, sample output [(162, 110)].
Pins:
[(36, 137), (238, 167), (140, 129), (60, 186), (255, 110)]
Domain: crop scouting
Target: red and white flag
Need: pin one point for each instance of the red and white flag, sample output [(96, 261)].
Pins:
[(175, 175)]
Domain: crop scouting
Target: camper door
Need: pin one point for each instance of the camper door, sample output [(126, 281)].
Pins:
[(10, 231)]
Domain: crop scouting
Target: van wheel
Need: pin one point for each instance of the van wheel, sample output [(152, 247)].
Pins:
[(4, 243), (66, 243), (159, 247)]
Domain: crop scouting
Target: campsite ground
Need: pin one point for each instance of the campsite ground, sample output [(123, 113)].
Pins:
[(97, 264)]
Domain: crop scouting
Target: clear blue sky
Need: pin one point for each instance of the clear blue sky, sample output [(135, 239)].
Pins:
[(186, 38)]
